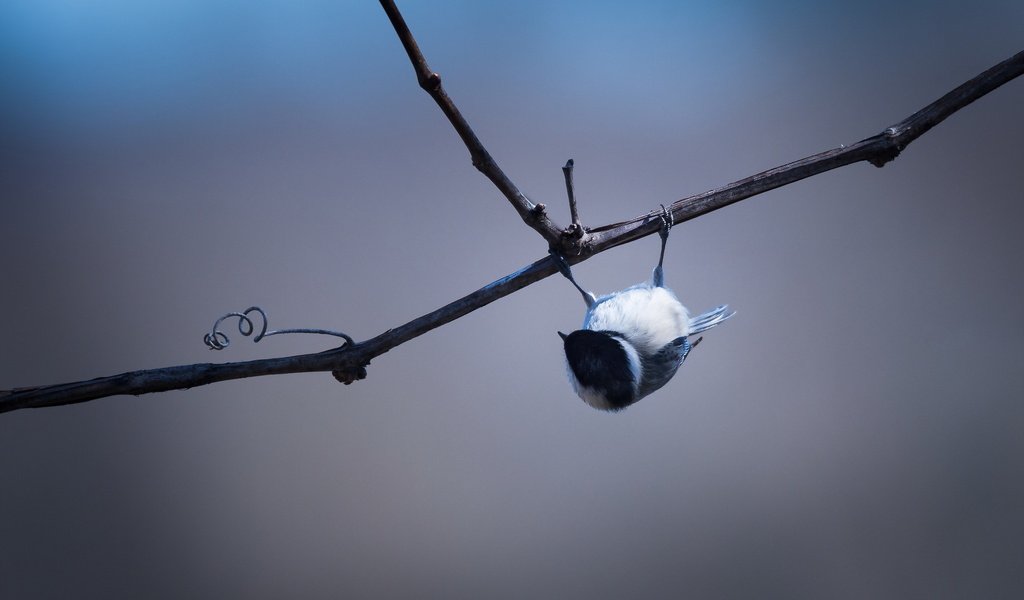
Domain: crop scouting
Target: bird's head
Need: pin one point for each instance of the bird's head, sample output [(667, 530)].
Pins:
[(604, 368)]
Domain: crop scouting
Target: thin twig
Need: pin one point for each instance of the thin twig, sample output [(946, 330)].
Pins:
[(575, 229), (348, 362), (532, 214), (218, 340)]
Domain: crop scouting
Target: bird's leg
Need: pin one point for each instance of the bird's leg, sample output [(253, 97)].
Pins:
[(563, 268), (667, 220)]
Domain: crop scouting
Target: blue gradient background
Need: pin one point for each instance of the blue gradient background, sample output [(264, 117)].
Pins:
[(855, 432)]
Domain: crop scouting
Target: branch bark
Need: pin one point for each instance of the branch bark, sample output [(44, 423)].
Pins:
[(348, 362), (878, 150), (532, 214)]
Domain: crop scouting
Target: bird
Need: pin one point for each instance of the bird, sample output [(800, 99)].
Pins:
[(632, 341)]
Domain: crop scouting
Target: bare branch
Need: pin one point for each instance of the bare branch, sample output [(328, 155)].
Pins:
[(575, 228), (878, 150), (348, 362), (532, 214)]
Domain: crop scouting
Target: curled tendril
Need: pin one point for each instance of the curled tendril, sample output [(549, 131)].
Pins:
[(218, 340)]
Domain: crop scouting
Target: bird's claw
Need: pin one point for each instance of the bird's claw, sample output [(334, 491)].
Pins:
[(667, 221)]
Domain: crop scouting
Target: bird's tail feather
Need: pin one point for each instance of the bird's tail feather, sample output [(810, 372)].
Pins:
[(713, 317)]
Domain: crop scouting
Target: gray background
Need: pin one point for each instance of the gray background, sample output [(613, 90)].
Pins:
[(855, 431)]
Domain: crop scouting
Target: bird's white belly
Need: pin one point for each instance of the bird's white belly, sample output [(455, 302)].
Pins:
[(649, 317)]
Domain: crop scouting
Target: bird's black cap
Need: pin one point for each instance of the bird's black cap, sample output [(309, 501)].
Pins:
[(599, 362)]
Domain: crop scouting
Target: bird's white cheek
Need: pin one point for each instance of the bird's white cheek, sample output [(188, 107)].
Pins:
[(590, 395), (594, 398)]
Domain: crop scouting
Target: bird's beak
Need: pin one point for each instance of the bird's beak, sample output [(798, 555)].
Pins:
[(561, 335)]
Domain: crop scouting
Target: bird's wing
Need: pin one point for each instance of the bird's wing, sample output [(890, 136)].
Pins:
[(662, 365)]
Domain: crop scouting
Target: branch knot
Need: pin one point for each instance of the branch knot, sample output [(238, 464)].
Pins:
[(574, 232), (348, 375), (432, 82)]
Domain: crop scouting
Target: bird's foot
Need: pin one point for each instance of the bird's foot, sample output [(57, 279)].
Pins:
[(559, 260), (667, 221)]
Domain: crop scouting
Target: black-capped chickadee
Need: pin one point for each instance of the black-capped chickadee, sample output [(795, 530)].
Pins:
[(632, 341)]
